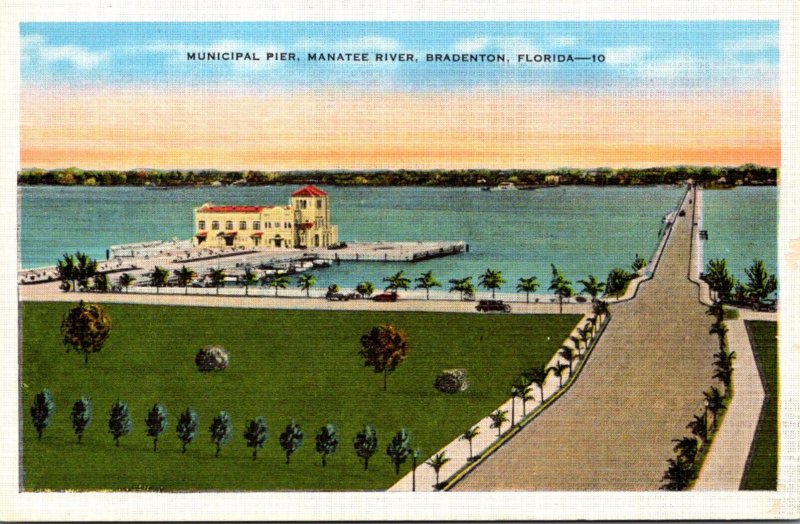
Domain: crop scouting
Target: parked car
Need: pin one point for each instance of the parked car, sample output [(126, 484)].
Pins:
[(493, 305), (338, 297), (769, 305), (385, 297)]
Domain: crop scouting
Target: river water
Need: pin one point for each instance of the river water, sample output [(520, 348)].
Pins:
[(583, 230)]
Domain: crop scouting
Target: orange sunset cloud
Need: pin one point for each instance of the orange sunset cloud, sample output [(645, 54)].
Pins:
[(123, 128)]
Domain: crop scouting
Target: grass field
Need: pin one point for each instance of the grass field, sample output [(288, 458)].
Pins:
[(284, 365), (762, 473)]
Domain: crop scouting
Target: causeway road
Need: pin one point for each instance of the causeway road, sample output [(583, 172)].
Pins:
[(613, 430)]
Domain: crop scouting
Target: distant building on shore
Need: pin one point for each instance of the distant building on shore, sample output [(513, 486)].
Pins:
[(302, 224)]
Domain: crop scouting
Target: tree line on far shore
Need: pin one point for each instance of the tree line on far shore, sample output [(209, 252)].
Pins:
[(724, 176)]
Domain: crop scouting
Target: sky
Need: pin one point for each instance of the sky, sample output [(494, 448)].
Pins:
[(123, 95)]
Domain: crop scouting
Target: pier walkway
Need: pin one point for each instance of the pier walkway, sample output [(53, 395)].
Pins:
[(613, 430)]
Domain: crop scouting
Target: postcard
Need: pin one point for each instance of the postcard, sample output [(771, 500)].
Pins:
[(283, 265)]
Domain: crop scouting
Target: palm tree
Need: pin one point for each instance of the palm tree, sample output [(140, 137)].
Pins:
[(723, 363), (85, 269), (279, 282), (468, 435), (518, 391), (568, 354), (185, 277), (600, 309), (492, 279), (100, 282), (67, 271), (463, 286), (427, 281), (217, 277), (715, 404), (528, 285), (365, 289), (250, 278), (699, 427), (585, 335), (686, 448), (125, 280), (592, 287), (397, 282), (306, 282), (437, 462), (158, 277), (537, 375), (561, 287), (498, 418), (558, 369), (679, 474)]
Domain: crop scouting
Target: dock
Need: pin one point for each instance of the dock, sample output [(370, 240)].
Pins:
[(391, 251)]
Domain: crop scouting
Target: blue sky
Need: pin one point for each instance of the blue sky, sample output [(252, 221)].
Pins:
[(693, 55)]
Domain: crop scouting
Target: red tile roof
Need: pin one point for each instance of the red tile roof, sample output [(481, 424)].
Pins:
[(233, 209), (309, 191), (202, 234), (259, 234)]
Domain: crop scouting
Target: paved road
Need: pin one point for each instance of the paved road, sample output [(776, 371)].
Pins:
[(613, 430)]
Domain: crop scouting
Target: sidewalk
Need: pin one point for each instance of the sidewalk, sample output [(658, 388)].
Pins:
[(725, 463)]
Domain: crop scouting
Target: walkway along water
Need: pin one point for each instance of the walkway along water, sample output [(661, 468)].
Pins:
[(613, 429)]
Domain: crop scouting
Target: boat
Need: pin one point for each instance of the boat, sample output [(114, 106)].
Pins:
[(504, 186)]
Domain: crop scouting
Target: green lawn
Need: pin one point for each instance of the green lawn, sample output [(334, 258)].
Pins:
[(762, 472), (284, 364)]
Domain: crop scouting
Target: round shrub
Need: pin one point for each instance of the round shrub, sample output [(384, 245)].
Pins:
[(212, 358), (451, 381)]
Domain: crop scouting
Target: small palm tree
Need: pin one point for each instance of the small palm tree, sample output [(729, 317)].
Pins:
[(397, 282), (67, 271), (699, 427), (125, 280), (499, 417), (592, 287), (463, 285), (468, 435), (528, 285), (217, 277), (715, 403), (437, 462), (492, 279), (185, 277), (568, 354), (686, 448), (365, 289), (306, 282), (537, 375), (250, 278), (585, 335), (558, 370), (158, 277), (723, 368), (679, 475), (279, 282), (600, 309), (561, 287), (427, 281)]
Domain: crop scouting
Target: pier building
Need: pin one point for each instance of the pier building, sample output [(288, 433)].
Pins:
[(304, 223)]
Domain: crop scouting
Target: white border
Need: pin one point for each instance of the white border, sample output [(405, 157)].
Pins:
[(398, 506)]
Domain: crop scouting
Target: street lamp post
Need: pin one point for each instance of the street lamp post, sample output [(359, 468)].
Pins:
[(414, 456)]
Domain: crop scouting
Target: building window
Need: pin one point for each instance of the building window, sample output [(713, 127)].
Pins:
[(287, 225), (303, 204), (256, 225), (242, 224), (269, 225), (201, 224), (319, 203), (229, 225), (215, 225), (277, 225)]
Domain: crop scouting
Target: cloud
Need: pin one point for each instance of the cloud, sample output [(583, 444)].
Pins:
[(751, 44), (625, 55), (684, 69), (564, 41), (471, 45), (36, 47)]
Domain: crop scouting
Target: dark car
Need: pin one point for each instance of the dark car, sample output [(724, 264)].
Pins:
[(337, 296), (385, 297), (493, 305)]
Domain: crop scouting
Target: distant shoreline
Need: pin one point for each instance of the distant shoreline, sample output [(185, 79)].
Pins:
[(710, 177)]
